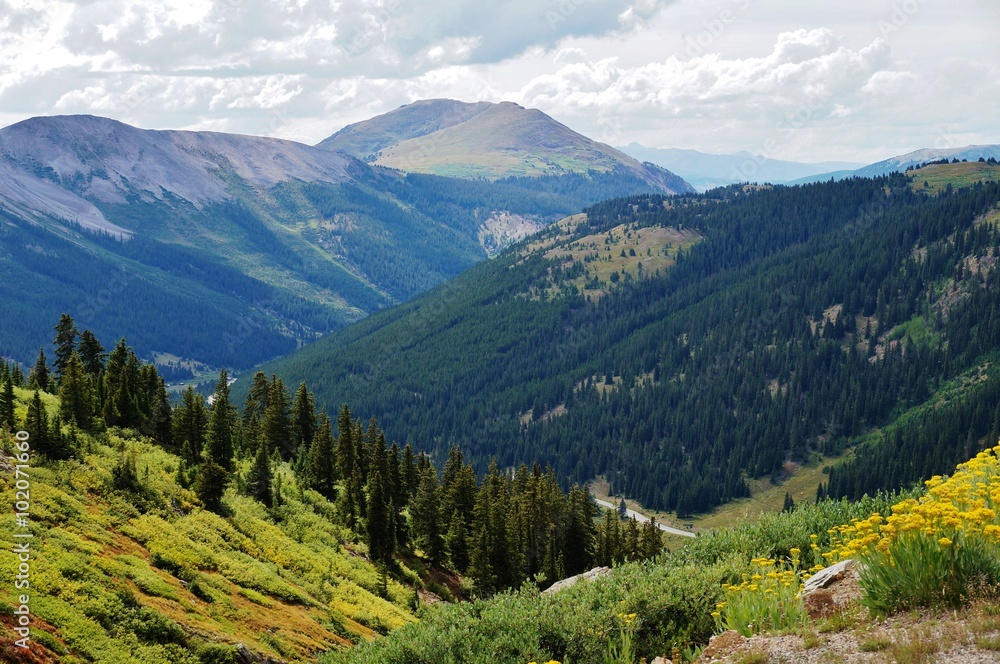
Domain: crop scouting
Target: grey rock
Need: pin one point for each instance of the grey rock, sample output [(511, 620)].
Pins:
[(595, 573)]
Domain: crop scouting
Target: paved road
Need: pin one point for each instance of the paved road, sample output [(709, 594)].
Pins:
[(642, 519)]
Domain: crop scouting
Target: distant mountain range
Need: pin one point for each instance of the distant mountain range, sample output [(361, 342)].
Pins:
[(486, 140), (228, 250), (902, 162), (706, 171)]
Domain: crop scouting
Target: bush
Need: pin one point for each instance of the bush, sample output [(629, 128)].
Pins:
[(938, 550)]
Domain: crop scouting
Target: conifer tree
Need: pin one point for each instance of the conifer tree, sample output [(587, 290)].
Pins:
[(260, 476), (7, 401), (480, 558), (579, 540), (408, 465), (121, 380), (190, 422), (65, 343), (17, 376), (457, 540), (38, 377), (303, 418), (253, 411), (425, 517), (400, 495), (210, 485), (219, 440), (37, 425), (650, 540), (379, 524), (322, 468), (276, 427), (630, 540), (160, 412), (76, 399), (91, 353), (347, 469)]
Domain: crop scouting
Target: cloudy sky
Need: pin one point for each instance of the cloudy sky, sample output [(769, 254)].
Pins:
[(809, 80)]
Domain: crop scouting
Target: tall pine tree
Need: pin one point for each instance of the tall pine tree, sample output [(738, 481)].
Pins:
[(38, 377), (219, 441), (65, 343)]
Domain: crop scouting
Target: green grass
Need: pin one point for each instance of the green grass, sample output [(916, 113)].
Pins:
[(111, 583), (938, 176)]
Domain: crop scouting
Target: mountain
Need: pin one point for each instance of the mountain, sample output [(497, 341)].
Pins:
[(901, 163), (486, 140), (706, 171), (765, 326), (214, 249)]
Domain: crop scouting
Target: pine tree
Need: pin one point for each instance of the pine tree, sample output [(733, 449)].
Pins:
[(37, 425), (581, 533), (76, 399), (322, 468), (38, 378), (425, 517), (160, 421), (91, 353), (210, 485), (650, 540), (190, 422), (259, 478), (219, 441), (347, 468), (400, 495), (411, 477), (480, 554), (630, 540), (379, 524), (303, 418), (457, 540), (65, 343), (17, 376), (276, 427), (7, 402), (253, 411), (121, 388)]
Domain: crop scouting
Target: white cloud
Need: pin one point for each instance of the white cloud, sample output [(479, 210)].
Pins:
[(720, 75)]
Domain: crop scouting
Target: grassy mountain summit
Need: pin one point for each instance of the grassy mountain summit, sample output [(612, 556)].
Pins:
[(486, 140)]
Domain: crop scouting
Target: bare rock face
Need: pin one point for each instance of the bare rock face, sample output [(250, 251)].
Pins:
[(832, 589), (595, 573)]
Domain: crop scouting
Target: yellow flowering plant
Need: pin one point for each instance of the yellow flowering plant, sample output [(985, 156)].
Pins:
[(766, 599), (937, 550)]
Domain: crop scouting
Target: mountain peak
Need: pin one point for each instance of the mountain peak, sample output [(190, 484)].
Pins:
[(485, 140)]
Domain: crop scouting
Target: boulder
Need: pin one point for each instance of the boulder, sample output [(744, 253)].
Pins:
[(595, 573)]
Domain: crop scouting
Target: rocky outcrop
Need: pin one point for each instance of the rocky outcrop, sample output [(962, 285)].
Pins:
[(595, 573)]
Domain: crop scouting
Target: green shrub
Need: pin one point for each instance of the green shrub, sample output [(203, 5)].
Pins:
[(924, 570)]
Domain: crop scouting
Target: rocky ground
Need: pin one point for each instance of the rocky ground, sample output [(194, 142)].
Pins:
[(843, 631)]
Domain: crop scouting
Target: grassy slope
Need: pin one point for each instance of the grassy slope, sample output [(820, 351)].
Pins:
[(287, 583), (964, 174)]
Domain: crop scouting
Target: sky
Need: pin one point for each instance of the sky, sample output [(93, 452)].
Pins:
[(808, 80)]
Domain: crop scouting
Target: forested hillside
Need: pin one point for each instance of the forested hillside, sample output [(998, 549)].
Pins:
[(797, 320), (179, 533)]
